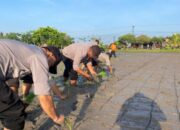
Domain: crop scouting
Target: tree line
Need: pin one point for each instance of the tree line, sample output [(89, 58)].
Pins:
[(51, 36), (170, 41), (41, 36)]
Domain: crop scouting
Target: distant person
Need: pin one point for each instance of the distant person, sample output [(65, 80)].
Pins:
[(73, 56), (113, 49), (97, 42), (103, 59), (18, 59)]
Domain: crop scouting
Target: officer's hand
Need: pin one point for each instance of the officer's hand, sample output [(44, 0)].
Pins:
[(59, 120)]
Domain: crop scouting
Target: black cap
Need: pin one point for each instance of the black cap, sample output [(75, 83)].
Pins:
[(57, 54), (96, 51)]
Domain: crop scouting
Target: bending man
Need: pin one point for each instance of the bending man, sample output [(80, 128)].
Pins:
[(18, 59)]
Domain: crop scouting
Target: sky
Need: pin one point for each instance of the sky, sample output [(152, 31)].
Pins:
[(106, 18)]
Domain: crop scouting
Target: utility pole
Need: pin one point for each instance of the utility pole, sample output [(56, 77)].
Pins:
[(133, 28), (114, 38)]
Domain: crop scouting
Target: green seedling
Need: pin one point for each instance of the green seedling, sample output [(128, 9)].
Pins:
[(30, 98), (102, 74), (68, 124)]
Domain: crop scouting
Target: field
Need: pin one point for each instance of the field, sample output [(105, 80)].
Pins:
[(143, 94), (132, 50)]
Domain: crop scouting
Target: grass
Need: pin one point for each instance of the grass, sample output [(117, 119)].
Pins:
[(150, 51)]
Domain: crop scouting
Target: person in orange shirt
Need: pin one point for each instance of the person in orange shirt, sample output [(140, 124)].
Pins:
[(113, 49)]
